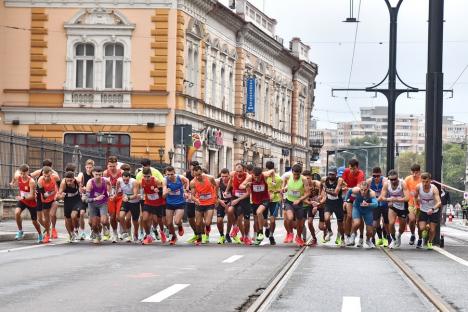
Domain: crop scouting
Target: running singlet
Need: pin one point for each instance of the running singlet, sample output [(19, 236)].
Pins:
[(153, 195), (274, 187), (259, 190), (24, 192), (359, 199), (113, 180), (205, 192), (222, 189), (314, 193), (236, 182), (427, 199), (331, 187), (127, 189), (99, 190), (86, 177), (411, 184), (72, 193), (377, 188), (295, 189), (398, 192), (176, 196), (49, 188)]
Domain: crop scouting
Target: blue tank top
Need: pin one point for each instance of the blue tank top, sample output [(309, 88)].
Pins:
[(377, 188), (176, 195)]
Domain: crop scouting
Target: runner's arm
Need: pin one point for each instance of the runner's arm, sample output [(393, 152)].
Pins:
[(244, 184), (383, 194), (437, 200)]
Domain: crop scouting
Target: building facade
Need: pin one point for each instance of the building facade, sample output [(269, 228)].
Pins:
[(139, 71)]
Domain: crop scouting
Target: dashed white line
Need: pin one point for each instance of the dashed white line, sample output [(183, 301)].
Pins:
[(451, 256), (232, 259), (166, 293), (351, 304)]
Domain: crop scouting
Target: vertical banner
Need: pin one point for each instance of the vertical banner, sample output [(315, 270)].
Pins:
[(250, 107)]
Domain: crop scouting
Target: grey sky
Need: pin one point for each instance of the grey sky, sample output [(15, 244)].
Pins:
[(319, 24)]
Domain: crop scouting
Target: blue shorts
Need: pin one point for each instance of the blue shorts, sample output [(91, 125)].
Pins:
[(364, 212)]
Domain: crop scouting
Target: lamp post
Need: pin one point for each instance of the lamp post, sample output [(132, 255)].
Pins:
[(161, 152), (171, 156), (108, 139)]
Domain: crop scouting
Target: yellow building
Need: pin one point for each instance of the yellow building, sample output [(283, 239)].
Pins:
[(139, 69)]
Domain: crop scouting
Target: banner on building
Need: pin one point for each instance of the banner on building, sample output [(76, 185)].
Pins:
[(250, 107)]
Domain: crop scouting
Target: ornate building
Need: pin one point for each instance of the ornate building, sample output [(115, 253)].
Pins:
[(152, 73)]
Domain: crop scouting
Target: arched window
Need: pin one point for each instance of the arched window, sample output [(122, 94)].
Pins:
[(84, 58), (113, 56)]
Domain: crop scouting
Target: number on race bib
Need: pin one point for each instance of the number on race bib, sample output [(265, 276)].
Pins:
[(205, 196), (258, 188), (153, 196)]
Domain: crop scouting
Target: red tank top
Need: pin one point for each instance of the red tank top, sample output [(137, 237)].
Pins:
[(48, 187), (24, 191), (152, 193), (236, 182), (259, 190), (205, 192)]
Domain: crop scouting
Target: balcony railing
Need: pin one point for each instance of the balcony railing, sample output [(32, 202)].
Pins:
[(93, 99)]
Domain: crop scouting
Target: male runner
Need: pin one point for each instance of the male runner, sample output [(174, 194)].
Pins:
[(395, 193), (83, 178), (128, 186), (115, 199), (376, 184), (429, 200), (274, 188), (175, 188), (190, 207), (411, 182), (204, 190), (313, 203), (26, 200), (224, 200), (333, 200), (69, 191), (47, 188), (352, 176)]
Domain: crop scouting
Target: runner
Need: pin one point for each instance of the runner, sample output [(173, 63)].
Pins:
[(333, 200), (115, 199), (128, 186), (395, 193), (83, 178), (204, 190), (97, 196), (411, 182), (429, 200), (69, 191), (274, 188), (376, 184), (260, 197), (224, 200), (363, 204), (175, 188), (47, 188), (352, 176), (297, 190), (154, 205), (240, 208), (190, 207), (313, 203), (26, 200)]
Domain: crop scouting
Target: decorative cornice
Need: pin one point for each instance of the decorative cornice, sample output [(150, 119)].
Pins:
[(129, 4)]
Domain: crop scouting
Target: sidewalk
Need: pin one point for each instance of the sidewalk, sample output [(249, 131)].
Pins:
[(8, 230), (459, 224)]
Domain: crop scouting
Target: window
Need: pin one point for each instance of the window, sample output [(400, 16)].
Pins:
[(223, 86), (113, 57), (231, 86), (213, 84), (84, 56), (120, 146)]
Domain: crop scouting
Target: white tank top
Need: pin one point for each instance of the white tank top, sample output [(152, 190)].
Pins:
[(127, 189), (427, 199), (394, 193)]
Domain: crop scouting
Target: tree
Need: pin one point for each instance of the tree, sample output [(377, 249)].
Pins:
[(371, 144), (406, 159), (453, 168)]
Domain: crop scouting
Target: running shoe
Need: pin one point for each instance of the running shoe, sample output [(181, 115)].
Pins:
[(205, 239), (351, 241), (113, 238), (125, 237), (197, 242), (385, 242), (272, 240), (173, 240), (429, 246), (92, 236), (208, 230), (228, 239), (148, 240), (412, 239), (260, 238), (267, 232), (379, 242), (39, 238), (313, 243), (425, 234), (54, 233), (328, 236), (69, 238), (166, 231), (236, 240), (342, 243), (338, 240), (247, 241), (221, 240), (289, 238), (360, 243), (299, 241), (323, 240), (163, 237), (192, 239), (234, 231), (19, 235), (46, 239), (83, 235), (398, 239), (370, 244), (96, 240), (392, 245), (181, 231), (106, 235)]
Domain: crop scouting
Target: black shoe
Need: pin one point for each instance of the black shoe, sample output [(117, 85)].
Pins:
[(267, 232), (228, 239), (412, 239), (419, 245), (272, 240)]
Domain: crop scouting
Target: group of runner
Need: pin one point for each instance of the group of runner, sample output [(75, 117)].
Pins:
[(118, 201)]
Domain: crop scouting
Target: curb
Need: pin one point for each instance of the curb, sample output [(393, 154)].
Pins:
[(7, 237)]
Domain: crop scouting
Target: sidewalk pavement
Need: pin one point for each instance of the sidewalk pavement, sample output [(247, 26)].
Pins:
[(8, 230), (459, 224)]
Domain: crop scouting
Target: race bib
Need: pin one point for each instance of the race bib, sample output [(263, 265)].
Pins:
[(295, 193), (258, 188), (175, 193), (205, 196), (153, 196), (332, 197), (228, 195), (24, 194), (239, 193)]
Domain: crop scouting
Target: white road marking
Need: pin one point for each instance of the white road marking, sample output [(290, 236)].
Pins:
[(28, 247), (232, 259), (451, 256), (351, 304), (166, 293)]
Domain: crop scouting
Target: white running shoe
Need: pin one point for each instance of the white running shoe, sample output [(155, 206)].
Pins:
[(398, 240), (392, 245), (351, 240), (370, 244), (113, 237), (360, 243)]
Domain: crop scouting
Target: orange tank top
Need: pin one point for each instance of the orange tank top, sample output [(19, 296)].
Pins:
[(49, 187), (205, 192), (24, 191)]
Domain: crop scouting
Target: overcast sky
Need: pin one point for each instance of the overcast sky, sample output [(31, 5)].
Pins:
[(319, 24)]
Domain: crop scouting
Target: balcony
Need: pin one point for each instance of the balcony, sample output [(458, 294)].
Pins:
[(218, 114), (97, 99)]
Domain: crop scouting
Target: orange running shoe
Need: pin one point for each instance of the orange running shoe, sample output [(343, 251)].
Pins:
[(163, 237), (247, 241), (289, 238), (181, 231), (46, 239), (299, 241), (54, 233), (234, 231), (173, 240)]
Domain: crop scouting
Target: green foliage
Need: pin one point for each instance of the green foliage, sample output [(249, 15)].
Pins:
[(406, 159), (453, 168)]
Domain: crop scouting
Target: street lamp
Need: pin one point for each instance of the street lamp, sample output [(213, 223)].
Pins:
[(171, 156), (161, 152), (106, 138)]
